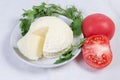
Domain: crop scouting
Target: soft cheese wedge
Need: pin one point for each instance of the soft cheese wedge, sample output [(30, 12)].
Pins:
[(51, 36), (31, 46)]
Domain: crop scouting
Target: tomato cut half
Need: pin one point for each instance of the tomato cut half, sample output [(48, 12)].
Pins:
[(96, 51)]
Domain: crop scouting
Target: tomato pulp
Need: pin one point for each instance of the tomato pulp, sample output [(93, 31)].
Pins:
[(96, 51)]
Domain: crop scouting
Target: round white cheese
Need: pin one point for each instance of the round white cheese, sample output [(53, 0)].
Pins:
[(58, 38), (57, 35)]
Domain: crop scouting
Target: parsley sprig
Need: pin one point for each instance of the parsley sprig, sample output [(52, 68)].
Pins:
[(67, 55), (50, 10)]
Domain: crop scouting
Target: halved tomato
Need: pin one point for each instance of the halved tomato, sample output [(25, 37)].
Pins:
[(96, 51)]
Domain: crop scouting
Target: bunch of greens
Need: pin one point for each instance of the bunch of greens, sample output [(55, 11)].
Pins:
[(68, 54), (50, 10)]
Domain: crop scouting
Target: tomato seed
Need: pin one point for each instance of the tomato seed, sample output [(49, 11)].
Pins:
[(100, 38), (104, 60), (95, 60), (99, 62), (95, 39), (89, 57), (87, 41), (104, 56)]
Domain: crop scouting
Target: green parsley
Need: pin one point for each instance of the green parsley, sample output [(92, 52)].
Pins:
[(67, 55), (51, 10)]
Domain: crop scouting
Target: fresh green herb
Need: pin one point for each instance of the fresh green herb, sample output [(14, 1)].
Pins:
[(50, 10), (76, 16), (67, 55)]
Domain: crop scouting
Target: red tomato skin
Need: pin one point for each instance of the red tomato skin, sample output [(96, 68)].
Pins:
[(98, 24), (89, 50)]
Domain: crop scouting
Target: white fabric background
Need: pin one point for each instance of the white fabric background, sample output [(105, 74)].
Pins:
[(11, 68)]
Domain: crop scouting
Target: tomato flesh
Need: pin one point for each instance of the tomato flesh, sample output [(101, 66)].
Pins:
[(96, 51)]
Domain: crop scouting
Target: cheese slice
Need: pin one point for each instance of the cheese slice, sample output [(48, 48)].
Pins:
[(41, 32), (30, 46)]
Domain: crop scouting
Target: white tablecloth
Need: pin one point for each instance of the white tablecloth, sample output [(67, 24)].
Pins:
[(11, 68)]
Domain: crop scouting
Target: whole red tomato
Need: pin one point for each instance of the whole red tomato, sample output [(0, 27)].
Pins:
[(98, 24)]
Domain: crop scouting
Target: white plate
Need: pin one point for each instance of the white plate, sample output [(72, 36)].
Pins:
[(44, 62)]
